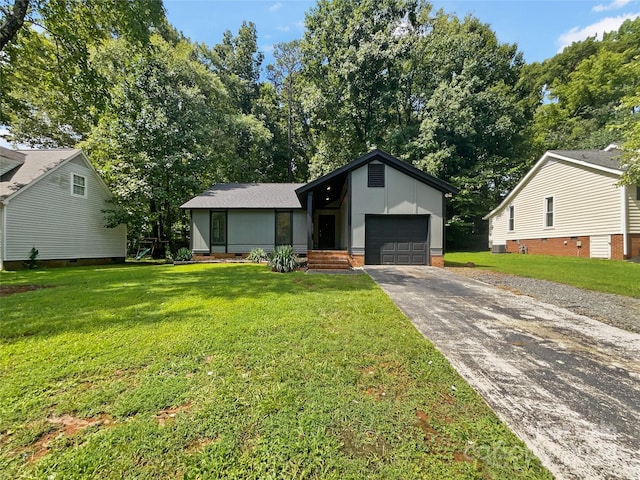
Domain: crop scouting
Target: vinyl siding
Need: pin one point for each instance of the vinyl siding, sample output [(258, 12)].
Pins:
[(62, 226), (499, 226), (401, 195), (633, 210), (1, 236), (586, 202)]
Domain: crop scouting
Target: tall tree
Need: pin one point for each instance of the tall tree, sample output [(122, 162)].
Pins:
[(51, 91), (164, 135), (435, 90), (585, 85), (286, 78)]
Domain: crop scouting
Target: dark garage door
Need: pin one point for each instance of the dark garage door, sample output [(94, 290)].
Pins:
[(396, 239)]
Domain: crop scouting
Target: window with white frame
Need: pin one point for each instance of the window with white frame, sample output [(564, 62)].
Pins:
[(78, 185), (512, 220), (548, 212)]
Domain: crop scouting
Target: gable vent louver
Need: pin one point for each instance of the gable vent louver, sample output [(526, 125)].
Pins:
[(376, 175)]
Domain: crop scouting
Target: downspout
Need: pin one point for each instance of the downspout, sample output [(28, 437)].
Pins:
[(625, 223)]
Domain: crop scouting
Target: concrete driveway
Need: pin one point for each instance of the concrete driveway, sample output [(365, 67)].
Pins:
[(567, 385)]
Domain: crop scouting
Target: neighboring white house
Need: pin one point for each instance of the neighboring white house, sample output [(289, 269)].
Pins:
[(53, 200), (570, 204), (374, 210)]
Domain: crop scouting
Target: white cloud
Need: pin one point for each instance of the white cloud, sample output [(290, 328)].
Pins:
[(608, 24), (283, 28), (267, 48), (614, 5), (275, 7), (300, 25)]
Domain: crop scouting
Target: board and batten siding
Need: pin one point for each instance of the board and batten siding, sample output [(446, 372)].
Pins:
[(586, 202), (59, 225), (401, 195)]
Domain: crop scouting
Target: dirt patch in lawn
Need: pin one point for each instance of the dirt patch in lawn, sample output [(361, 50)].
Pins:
[(63, 426), (6, 290), (200, 444), (168, 414)]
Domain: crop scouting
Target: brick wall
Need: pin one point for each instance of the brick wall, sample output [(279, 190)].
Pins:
[(567, 246), (634, 245), (561, 246), (617, 247), (436, 261)]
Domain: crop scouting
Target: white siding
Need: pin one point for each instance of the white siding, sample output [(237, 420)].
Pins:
[(600, 246), (402, 195), (633, 209), (499, 226), (61, 226), (1, 236), (586, 202), (200, 230)]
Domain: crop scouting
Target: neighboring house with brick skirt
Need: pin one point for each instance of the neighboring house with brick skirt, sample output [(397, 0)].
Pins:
[(54, 201), (570, 203), (374, 210)]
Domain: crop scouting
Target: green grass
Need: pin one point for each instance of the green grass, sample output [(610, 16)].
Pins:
[(232, 371), (610, 276)]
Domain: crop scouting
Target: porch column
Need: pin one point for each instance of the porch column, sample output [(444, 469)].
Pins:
[(310, 221)]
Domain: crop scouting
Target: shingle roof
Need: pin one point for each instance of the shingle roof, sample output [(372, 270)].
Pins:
[(36, 164), (600, 158), (248, 195)]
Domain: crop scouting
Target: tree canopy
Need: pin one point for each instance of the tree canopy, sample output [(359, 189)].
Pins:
[(163, 118)]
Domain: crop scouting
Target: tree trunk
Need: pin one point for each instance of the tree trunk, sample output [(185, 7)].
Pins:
[(13, 22)]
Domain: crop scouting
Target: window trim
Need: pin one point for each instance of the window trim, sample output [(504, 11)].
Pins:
[(552, 212), (73, 185), (275, 233), (383, 178), (511, 218), (211, 241)]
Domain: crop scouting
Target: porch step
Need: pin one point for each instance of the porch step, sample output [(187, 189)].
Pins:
[(328, 260)]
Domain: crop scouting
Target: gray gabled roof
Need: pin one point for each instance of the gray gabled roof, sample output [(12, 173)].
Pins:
[(384, 157), (36, 163), (247, 195), (599, 158)]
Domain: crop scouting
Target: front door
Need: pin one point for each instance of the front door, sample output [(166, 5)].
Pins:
[(326, 232)]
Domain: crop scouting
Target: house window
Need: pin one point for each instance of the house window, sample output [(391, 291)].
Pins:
[(218, 228), (548, 212), (638, 192), (284, 228), (512, 218), (78, 185), (376, 175)]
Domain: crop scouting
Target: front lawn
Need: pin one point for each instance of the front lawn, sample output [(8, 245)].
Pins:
[(609, 276), (231, 371)]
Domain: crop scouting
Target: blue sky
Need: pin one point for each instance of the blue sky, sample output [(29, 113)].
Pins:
[(541, 28)]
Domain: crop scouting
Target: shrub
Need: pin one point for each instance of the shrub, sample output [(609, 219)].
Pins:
[(257, 255), (283, 259), (33, 258), (183, 255)]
